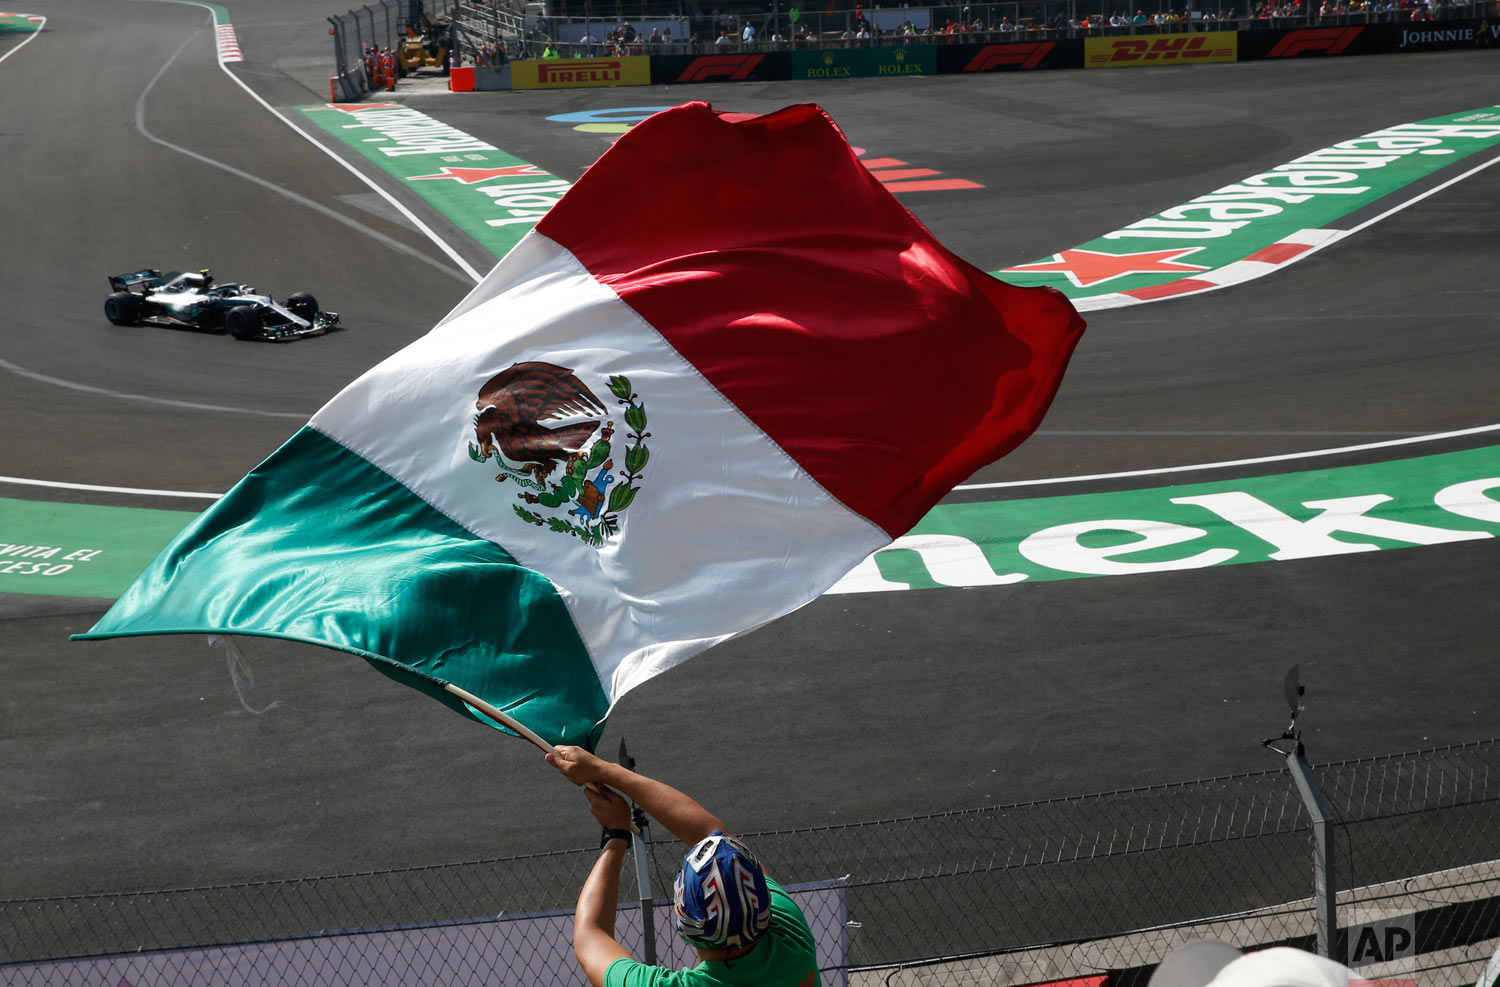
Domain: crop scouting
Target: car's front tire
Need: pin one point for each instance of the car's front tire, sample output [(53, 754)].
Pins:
[(302, 305), (122, 308), (243, 323)]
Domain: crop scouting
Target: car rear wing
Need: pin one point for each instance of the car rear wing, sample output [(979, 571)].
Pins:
[(126, 282)]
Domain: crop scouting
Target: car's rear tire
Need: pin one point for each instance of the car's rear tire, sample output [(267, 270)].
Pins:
[(302, 305), (122, 308), (242, 323)]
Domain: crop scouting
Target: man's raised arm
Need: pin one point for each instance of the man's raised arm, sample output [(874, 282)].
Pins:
[(681, 815)]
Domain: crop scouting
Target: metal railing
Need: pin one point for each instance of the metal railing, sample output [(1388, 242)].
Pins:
[(782, 27), (1002, 895), (384, 24)]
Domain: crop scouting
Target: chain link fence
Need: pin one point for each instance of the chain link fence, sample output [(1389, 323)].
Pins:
[(1101, 885)]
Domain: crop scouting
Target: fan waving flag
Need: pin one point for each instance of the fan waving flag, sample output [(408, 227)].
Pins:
[(724, 368)]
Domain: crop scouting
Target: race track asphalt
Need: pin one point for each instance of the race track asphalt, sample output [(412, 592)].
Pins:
[(132, 764)]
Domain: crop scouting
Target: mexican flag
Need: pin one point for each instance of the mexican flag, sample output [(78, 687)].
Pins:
[(725, 368)]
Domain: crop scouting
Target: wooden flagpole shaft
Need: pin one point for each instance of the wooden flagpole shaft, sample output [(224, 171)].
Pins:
[(505, 719)]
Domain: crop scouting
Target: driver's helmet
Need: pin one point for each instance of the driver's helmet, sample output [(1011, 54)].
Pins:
[(720, 895)]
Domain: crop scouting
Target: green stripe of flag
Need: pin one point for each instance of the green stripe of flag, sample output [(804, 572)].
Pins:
[(395, 582)]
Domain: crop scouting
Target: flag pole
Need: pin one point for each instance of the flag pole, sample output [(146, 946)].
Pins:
[(503, 718), (510, 722)]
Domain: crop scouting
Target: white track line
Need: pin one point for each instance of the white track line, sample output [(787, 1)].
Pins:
[(29, 39), (1160, 471), (20, 371), (1285, 457), (1341, 450), (411, 217), (301, 200), (56, 485)]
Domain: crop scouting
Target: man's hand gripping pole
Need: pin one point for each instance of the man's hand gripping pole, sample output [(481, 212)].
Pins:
[(510, 722)]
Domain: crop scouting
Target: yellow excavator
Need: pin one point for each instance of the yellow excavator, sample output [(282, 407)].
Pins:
[(427, 49)]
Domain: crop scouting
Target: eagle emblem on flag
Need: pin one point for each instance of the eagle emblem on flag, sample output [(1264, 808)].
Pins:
[(588, 497)]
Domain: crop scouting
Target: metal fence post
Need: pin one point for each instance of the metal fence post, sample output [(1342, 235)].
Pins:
[(340, 51), (1325, 890), (359, 35), (639, 850)]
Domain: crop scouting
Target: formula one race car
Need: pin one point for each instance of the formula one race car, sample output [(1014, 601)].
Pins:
[(194, 301)]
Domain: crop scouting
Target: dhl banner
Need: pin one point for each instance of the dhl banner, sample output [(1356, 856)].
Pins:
[(1129, 51), (576, 73)]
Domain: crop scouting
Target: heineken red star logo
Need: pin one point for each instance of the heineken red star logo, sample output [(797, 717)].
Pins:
[(1089, 267), (473, 176)]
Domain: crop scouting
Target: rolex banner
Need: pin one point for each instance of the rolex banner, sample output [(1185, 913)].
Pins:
[(646, 431)]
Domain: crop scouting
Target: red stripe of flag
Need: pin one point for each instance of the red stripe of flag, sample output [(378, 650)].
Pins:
[(886, 366)]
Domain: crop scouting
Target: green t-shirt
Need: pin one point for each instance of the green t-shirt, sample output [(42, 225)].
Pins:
[(784, 956)]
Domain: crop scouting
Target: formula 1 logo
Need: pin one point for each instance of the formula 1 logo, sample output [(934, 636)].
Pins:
[(1217, 46), (1021, 56), (1318, 40), (734, 68)]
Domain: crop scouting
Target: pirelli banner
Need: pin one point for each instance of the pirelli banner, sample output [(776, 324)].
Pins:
[(865, 63), (1141, 50), (1010, 56), (577, 73), (765, 66)]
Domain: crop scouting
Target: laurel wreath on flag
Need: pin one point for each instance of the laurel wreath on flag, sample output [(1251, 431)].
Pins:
[(636, 454), (622, 494)]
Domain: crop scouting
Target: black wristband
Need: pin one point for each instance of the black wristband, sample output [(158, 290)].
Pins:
[(613, 834)]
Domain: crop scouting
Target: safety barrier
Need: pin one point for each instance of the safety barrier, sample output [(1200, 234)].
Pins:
[(554, 65), (1100, 886)]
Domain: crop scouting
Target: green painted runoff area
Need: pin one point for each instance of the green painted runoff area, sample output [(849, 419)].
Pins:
[(491, 195), (18, 24), (1387, 505), (496, 197), (77, 550), (1232, 223)]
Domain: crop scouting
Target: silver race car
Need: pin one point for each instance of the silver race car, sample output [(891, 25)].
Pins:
[(195, 301)]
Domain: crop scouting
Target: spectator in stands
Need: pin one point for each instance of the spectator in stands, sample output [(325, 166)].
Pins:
[(1006, 26), (550, 52), (747, 36), (723, 40), (744, 928), (1139, 18)]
